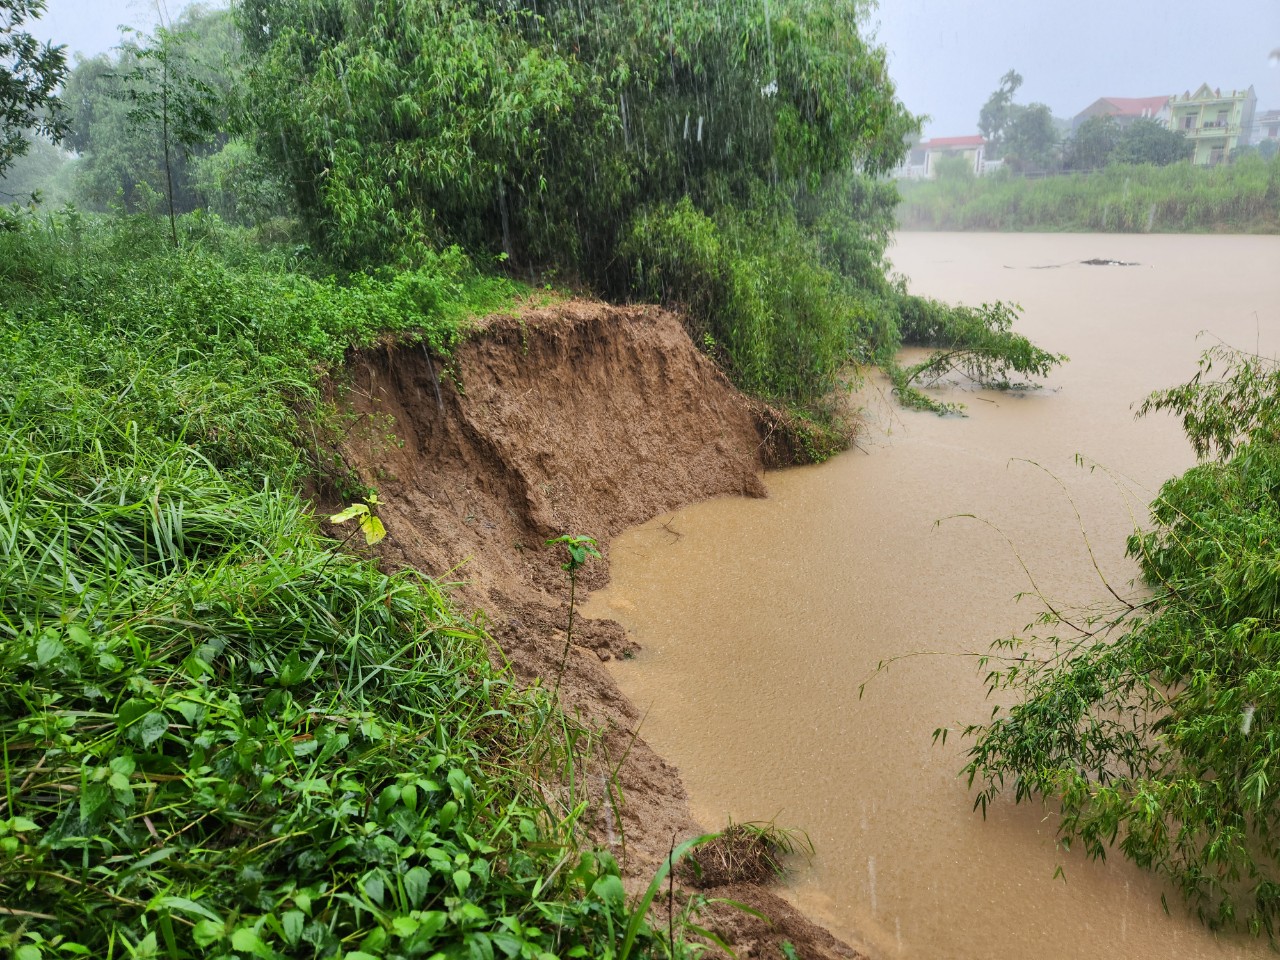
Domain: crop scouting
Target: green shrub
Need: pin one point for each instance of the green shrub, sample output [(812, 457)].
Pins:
[(785, 322), (1154, 724)]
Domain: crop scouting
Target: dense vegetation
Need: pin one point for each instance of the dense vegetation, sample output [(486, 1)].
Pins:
[(1241, 197), (222, 733), (723, 161), (1154, 724)]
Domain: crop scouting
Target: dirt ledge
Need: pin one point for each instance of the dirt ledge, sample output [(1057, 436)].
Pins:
[(584, 419)]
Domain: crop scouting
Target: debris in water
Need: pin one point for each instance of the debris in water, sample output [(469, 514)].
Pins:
[(1095, 262)]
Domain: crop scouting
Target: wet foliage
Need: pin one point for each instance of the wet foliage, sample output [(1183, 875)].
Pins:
[(720, 157), (30, 74), (1153, 725), (976, 343), (222, 734)]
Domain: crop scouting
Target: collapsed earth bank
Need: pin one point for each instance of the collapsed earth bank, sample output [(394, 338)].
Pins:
[(578, 419)]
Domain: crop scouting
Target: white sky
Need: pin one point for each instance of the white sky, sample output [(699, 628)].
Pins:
[(947, 56), (90, 27)]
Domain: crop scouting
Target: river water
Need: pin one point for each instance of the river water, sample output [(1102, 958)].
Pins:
[(760, 619)]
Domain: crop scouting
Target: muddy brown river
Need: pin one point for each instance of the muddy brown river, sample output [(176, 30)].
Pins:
[(760, 619)]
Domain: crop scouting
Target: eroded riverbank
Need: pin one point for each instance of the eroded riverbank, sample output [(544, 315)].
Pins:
[(759, 620)]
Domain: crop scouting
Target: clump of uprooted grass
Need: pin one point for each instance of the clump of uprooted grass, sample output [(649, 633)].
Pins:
[(744, 853), (220, 735)]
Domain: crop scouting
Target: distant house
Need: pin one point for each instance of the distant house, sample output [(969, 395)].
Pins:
[(921, 162), (1214, 121), (1266, 127), (1125, 110), (971, 148)]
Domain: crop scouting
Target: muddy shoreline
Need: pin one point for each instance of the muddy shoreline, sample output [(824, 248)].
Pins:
[(582, 419)]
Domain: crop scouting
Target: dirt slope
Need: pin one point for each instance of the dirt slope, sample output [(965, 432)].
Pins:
[(582, 419)]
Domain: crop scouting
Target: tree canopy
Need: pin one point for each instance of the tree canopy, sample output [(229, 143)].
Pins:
[(1146, 141), (140, 115), (538, 129), (994, 116), (1094, 142), (30, 72)]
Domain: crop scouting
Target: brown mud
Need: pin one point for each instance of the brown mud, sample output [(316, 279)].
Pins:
[(582, 419)]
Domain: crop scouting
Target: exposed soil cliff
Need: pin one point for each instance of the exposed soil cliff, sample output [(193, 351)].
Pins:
[(582, 419)]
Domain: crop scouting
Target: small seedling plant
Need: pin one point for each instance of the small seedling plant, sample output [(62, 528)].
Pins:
[(368, 521), (579, 549)]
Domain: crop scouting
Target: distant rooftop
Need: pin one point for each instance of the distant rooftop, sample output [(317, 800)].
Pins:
[(1135, 106), (1215, 93), (975, 140)]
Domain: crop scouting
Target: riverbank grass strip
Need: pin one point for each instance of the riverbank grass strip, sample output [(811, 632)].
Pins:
[(222, 736)]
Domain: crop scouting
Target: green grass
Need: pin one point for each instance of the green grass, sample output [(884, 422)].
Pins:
[(1242, 197), (221, 735)]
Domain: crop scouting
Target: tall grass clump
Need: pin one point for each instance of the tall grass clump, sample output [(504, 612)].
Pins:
[(220, 735), (1243, 196), (756, 292), (1155, 725)]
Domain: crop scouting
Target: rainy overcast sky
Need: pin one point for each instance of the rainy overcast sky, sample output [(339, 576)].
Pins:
[(947, 56)]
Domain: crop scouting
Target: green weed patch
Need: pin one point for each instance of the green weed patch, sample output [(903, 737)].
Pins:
[(222, 736)]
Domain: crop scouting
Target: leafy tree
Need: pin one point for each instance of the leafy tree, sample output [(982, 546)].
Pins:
[(542, 127), (1094, 143), (239, 184), (995, 114), (30, 73), (42, 174), (170, 102), (1030, 139), (1146, 141), (143, 113)]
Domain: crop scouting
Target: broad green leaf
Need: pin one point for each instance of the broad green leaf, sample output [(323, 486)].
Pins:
[(292, 923), (124, 765), (403, 926), (247, 939), (208, 932), (416, 884), (374, 887), (49, 648), (432, 922), (373, 529), (609, 889), (355, 510), (461, 880), (150, 728), (447, 813), (131, 711)]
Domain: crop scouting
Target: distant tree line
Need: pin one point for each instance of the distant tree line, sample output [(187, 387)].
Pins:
[(1029, 139)]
